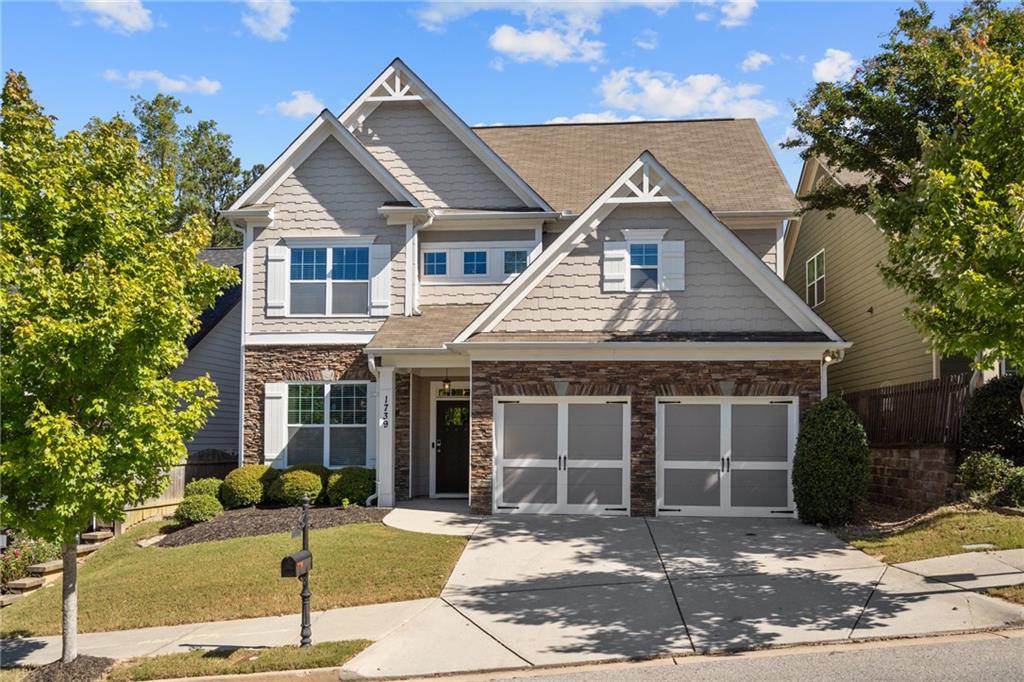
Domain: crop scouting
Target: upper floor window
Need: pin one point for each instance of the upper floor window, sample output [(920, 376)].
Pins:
[(435, 263), (814, 270), (515, 261), (643, 266), (474, 263), (341, 290)]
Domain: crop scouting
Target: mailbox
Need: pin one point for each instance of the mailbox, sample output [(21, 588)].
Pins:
[(296, 565)]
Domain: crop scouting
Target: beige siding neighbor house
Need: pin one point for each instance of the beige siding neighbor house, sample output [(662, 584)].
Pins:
[(547, 319)]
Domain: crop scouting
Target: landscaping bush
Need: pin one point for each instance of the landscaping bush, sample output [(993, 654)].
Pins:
[(354, 484), (291, 486), (204, 486), (993, 421), (247, 486), (984, 473), (21, 553), (196, 508), (831, 468), (1012, 492), (320, 470)]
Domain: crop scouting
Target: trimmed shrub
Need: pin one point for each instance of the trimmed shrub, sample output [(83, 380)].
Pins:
[(984, 472), (1012, 492), (320, 470), (832, 467), (292, 485), (197, 508), (354, 484), (993, 420), (248, 485), (204, 486)]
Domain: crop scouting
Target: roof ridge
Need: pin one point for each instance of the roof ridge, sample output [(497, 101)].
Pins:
[(608, 123)]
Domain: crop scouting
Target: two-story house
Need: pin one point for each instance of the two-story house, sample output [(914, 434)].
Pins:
[(551, 318)]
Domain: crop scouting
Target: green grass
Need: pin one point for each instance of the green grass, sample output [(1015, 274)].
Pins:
[(200, 663), (124, 586), (1014, 593), (944, 533)]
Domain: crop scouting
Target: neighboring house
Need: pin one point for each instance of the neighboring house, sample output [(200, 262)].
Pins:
[(833, 264), (555, 318), (215, 349)]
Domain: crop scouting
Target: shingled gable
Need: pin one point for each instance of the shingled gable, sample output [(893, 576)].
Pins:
[(646, 181), (398, 83), (324, 126)]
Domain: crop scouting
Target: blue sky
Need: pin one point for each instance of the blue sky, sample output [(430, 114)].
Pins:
[(262, 69)]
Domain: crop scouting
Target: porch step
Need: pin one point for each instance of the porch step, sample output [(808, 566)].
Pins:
[(85, 550), (22, 585), (8, 599), (96, 536), (46, 568)]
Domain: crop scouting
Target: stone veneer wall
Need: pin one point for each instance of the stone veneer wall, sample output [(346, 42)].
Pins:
[(267, 364), (643, 382), (913, 477), (403, 413)]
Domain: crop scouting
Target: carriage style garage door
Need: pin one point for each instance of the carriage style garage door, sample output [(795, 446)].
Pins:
[(726, 456), (565, 455)]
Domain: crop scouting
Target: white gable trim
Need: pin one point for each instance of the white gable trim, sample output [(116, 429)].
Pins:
[(325, 125), (671, 190), (401, 84)]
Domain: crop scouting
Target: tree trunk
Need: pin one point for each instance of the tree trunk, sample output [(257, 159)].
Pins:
[(69, 607)]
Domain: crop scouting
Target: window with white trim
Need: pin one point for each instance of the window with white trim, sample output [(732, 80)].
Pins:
[(643, 266), (327, 424), (814, 270), (516, 261), (341, 289), (479, 262), (474, 262), (435, 263)]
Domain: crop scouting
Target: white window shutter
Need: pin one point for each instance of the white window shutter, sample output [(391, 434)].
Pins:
[(673, 266), (275, 423), (616, 266), (277, 280), (371, 425), (380, 279)]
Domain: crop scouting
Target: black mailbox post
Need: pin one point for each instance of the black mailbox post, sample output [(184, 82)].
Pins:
[(299, 565)]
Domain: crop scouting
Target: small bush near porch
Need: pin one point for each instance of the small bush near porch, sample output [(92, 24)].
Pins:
[(124, 586)]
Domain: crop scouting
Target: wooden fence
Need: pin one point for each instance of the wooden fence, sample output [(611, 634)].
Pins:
[(921, 413), (208, 464)]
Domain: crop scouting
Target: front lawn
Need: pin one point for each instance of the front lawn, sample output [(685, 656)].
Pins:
[(124, 586), (1014, 593), (201, 663), (945, 532)]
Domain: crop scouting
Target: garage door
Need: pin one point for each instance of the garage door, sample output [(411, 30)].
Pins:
[(726, 456), (562, 455)]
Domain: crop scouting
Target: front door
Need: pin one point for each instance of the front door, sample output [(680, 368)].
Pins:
[(451, 449)]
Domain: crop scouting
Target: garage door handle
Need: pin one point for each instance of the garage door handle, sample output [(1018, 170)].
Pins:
[(723, 465), (728, 464)]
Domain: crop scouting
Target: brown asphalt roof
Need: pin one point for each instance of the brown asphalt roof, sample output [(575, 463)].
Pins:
[(433, 327), (577, 337), (726, 163)]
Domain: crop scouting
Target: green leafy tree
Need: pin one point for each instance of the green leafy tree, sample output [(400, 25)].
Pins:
[(159, 131), (97, 297)]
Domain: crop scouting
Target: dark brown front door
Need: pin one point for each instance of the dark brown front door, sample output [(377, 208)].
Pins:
[(452, 448)]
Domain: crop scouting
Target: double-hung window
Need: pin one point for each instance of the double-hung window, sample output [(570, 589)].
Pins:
[(474, 262), (814, 270), (643, 266), (327, 424), (340, 289)]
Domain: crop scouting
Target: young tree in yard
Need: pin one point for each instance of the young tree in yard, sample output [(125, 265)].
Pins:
[(97, 297)]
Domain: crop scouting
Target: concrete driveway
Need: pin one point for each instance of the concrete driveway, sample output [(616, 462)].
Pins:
[(542, 590)]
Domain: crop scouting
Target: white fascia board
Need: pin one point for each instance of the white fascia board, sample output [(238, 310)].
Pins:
[(308, 338), (249, 214), (418, 359), (451, 120), (323, 126), (648, 351)]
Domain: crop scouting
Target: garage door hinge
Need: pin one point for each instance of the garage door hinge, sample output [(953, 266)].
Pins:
[(506, 402), (781, 511)]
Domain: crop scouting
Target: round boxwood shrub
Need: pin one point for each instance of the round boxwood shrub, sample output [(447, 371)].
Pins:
[(320, 470), (993, 420), (984, 472), (832, 465), (1012, 492), (248, 485), (203, 486), (196, 508), (354, 484), (291, 486)]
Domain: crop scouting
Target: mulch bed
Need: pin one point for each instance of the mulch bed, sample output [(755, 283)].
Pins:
[(240, 523), (82, 669)]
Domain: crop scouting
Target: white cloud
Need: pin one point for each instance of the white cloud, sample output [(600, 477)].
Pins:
[(302, 104), (755, 60), (647, 40), (125, 16), (163, 82), (269, 19), (548, 45), (837, 65), (656, 93), (733, 13), (595, 117)]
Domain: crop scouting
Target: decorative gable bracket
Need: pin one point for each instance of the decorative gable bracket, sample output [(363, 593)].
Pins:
[(644, 186)]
